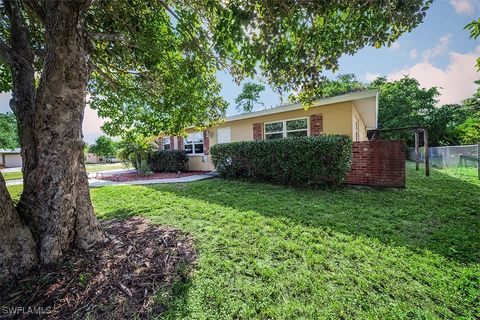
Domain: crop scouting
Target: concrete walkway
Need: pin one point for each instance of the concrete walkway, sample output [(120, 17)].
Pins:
[(94, 183)]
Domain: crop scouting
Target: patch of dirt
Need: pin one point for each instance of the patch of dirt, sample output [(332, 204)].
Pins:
[(132, 176), (131, 276)]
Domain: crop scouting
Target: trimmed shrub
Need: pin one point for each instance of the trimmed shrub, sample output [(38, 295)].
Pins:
[(325, 159), (168, 161)]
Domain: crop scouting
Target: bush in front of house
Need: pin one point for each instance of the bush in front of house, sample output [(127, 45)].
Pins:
[(325, 159), (168, 161)]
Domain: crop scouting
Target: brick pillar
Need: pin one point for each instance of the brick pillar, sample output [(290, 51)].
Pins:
[(316, 124), (172, 143), (180, 143), (258, 131), (206, 143)]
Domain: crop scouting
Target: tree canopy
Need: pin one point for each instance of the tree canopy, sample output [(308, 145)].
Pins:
[(8, 131), (160, 76), (104, 146), (249, 97)]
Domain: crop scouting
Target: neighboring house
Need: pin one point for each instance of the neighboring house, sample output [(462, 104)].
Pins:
[(350, 114), (93, 158), (10, 158)]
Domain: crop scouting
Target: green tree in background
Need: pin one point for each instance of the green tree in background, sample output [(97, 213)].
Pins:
[(8, 131), (104, 146), (343, 83), (249, 97), (470, 129)]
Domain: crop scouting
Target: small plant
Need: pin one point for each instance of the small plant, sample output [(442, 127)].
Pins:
[(145, 169)]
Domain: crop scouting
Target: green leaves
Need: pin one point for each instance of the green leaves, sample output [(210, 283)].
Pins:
[(474, 28), (8, 131), (296, 161), (249, 97)]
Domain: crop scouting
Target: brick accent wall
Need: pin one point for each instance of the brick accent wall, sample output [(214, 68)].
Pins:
[(180, 143), (379, 163), (206, 143), (172, 143), (316, 124), (258, 131)]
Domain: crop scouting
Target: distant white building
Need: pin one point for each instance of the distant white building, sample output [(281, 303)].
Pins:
[(10, 158)]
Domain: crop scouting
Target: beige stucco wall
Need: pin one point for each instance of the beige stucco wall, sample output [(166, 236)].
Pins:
[(362, 128), (337, 119)]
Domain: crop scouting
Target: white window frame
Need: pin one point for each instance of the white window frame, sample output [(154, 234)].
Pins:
[(193, 145), (285, 131), (169, 143)]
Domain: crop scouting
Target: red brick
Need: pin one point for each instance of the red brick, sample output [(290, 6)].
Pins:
[(379, 163)]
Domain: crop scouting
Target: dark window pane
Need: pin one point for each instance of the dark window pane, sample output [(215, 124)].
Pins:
[(297, 134), (166, 147), (188, 148), (297, 124), (199, 148), (272, 136), (274, 127)]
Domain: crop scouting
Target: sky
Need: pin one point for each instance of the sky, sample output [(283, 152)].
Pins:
[(438, 53)]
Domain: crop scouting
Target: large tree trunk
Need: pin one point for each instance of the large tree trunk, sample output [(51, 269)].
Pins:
[(55, 203), (58, 197), (18, 251)]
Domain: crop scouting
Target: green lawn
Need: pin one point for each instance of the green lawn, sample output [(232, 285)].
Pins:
[(12, 175), (89, 167), (272, 252)]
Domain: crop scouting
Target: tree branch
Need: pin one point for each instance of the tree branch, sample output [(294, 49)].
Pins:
[(106, 37), (35, 7), (105, 75)]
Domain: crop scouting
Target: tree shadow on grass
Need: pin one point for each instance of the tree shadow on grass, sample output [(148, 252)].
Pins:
[(438, 213)]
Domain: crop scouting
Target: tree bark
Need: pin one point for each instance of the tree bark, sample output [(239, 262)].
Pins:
[(58, 198), (55, 204), (18, 251)]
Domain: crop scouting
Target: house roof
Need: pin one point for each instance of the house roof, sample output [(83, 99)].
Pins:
[(366, 103), (10, 151)]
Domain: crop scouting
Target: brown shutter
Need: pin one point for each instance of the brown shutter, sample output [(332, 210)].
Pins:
[(160, 143), (316, 124), (206, 143), (258, 131), (180, 143), (172, 143)]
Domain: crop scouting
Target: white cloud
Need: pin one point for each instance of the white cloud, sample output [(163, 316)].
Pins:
[(371, 76), (463, 6), (413, 54), (439, 49), (455, 81), (395, 46)]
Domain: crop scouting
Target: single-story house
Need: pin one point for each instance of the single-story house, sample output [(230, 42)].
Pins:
[(10, 158), (350, 114)]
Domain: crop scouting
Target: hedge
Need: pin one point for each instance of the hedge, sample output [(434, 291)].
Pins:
[(168, 161), (325, 159)]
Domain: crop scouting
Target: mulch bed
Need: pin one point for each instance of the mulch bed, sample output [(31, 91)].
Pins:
[(122, 177), (131, 276)]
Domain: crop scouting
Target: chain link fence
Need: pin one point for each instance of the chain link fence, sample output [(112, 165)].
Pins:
[(449, 157)]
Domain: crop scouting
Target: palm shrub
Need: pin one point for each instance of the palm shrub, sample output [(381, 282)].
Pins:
[(324, 159), (136, 149)]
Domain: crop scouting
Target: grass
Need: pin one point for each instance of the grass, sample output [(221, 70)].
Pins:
[(272, 252), (88, 166), (12, 175)]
